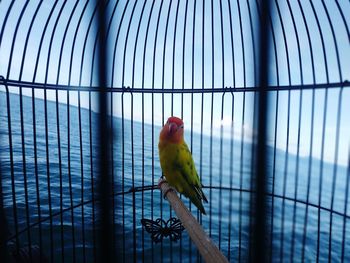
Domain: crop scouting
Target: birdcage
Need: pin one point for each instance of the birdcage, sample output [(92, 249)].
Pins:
[(262, 88)]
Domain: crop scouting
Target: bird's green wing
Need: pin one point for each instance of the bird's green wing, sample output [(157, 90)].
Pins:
[(185, 165)]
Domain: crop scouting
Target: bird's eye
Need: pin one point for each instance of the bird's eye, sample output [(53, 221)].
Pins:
[(181, 126)]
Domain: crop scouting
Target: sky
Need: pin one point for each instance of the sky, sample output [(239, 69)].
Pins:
[(161, 45)]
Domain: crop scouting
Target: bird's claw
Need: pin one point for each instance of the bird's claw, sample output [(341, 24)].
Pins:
[(170, 188), (161, 181), (167, 191)]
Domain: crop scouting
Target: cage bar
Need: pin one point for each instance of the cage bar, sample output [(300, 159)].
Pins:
[(86, 86)]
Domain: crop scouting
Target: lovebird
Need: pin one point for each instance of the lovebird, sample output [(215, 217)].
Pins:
[(177, 163)]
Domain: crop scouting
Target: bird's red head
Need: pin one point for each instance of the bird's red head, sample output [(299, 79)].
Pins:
[(173, 130)]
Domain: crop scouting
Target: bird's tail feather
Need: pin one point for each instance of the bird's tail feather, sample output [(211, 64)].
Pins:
[(200, 194), (203, 195), (197, 202)]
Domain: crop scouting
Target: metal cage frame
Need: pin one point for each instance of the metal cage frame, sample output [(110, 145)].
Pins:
[(94, 48)]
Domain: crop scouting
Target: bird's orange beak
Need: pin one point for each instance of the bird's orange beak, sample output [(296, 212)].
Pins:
[(172, 132), (172, 128)]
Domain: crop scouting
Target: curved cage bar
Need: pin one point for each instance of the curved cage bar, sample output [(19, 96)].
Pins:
[(176, 38), (201, 61)]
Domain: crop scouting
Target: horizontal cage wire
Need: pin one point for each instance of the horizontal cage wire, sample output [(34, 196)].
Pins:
[(199, 61)]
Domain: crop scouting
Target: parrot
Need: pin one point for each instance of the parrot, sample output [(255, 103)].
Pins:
[(177, 163)]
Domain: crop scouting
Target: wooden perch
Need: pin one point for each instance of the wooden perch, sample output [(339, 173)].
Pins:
[(208, 250)]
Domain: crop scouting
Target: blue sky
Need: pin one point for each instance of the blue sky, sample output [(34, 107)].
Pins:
[(237, 68)]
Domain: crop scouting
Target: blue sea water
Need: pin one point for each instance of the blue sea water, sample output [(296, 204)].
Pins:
[(64, 173)]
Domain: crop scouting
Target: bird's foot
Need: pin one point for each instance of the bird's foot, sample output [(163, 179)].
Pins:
[(161, 181), (170, 188)]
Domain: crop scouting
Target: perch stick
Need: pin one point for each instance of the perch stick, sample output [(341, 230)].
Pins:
[(208, 250)]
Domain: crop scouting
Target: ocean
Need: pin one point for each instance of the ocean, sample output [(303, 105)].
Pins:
[(64, 170)]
